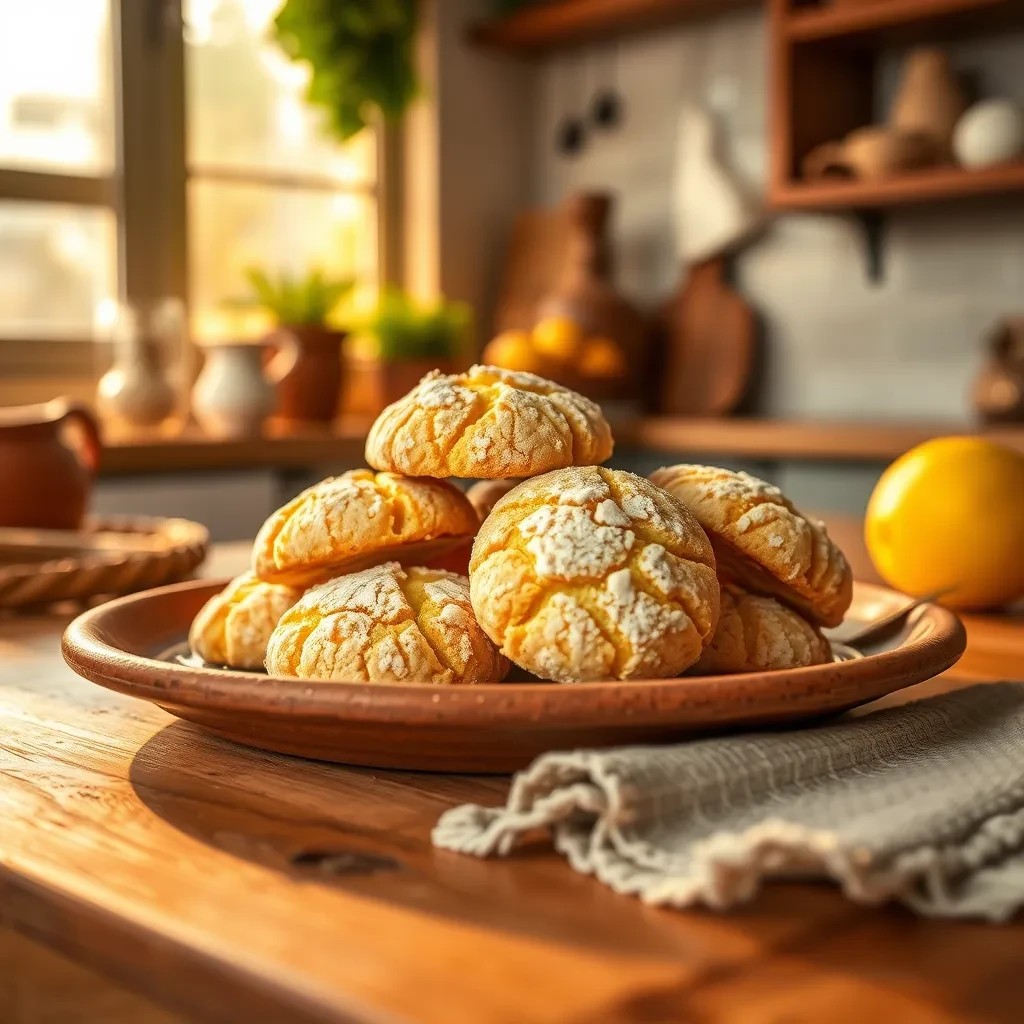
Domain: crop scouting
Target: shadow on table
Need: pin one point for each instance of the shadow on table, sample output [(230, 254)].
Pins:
[(368, 831)]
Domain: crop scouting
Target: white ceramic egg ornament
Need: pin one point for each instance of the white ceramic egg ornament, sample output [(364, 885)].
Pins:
[(990, 132)]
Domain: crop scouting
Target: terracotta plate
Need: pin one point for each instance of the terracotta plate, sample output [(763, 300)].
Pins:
[(128, 645)]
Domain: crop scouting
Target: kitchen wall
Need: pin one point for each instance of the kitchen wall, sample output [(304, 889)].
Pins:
[(839, 345)]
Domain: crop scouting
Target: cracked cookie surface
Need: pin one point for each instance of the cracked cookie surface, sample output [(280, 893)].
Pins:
[(358, 519), (591, 573), (490, 424), (386, 624), (759, 634), (762, 541), (233, 627)]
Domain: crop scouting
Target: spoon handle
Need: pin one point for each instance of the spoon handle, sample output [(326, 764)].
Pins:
[(871, 629)]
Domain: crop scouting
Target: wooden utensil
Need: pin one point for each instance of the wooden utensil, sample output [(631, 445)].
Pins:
[(709, 337), (130, 644)]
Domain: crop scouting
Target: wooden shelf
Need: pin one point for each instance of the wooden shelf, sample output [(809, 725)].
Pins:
[(568, 22), (919, 187), (769, 439), (889, 20), (794, 439), (193, 452)]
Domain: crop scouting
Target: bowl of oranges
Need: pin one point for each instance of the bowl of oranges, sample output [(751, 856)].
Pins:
[(560, 349)]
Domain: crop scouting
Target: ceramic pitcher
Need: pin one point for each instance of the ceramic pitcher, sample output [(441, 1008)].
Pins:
[(45, 481), (232, 396)]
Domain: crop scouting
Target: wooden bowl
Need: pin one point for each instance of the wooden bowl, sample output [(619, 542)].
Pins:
[(128, 645)]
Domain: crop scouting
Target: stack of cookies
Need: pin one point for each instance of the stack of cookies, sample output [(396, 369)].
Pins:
[(570, 570)]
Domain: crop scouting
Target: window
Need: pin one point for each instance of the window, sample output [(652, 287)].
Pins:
[(264, 184), (57, 226), (160, 147)]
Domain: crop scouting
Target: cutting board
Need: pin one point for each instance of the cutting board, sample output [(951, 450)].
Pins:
[(709, 334)]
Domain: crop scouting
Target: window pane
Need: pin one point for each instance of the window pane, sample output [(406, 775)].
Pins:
[(56, 91), (237, 226), (56, 263), (245, 106)]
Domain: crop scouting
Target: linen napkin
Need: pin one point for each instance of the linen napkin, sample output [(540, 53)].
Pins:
[(922, 804)]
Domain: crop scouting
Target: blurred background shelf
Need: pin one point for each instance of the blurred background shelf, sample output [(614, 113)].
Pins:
[(933, 185), (895, 21), (194, 451), (794, 439), (568, 22), (797, 440)]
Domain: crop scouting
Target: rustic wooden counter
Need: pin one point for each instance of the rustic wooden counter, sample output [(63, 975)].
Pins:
[(180, 877)]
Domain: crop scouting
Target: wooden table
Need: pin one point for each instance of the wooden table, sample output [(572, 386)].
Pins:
[(180, 877)]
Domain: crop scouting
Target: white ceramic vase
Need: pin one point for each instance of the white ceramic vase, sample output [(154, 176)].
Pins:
[(991, 132), (232, 397)]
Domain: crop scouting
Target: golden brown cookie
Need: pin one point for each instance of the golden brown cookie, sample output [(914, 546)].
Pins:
[(233, 627), (484, 494), (386, 624), (763, 542), (488, 423), (358, 519), (759, 634), (591, 573)]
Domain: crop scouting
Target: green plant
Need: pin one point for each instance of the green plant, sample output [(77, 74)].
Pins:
[(361, 53), (304, 301), (406, 329)]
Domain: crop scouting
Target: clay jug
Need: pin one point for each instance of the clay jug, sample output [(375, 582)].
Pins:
[(584, 292), (308, 373), (44, 481), (929, 100), (998, 391)]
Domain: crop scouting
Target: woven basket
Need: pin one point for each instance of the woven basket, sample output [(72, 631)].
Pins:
[(179, 545)]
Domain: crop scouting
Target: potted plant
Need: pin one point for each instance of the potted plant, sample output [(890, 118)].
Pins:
[(309, 349), (412, 338)]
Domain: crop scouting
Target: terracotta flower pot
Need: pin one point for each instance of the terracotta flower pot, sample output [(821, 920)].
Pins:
[(309, 381)]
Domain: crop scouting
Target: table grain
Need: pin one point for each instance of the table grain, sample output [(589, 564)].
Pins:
[(227, 884)]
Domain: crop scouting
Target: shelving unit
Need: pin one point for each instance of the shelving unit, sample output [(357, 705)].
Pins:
[(822, 87), (570, 22), (929, 186), (888, 21), (823, 59)]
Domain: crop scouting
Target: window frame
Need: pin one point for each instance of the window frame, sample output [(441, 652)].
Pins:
[(147, 189)]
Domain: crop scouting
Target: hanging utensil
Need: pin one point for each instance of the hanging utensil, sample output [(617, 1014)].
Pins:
[(571, 133), (607, 108)]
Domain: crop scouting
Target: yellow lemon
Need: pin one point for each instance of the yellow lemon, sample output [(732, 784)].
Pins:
[(950, 514), (512, 350), (558, 338), (601, 357)]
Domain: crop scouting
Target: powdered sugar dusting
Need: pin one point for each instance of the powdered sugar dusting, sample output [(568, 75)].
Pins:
[(568, 543), (608, 513), (759, 515)]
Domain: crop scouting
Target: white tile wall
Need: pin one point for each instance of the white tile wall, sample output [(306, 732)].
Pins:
[(838, 345)]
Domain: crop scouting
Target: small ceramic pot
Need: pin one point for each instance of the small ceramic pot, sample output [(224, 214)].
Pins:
[(232, 398), (991, 132), (44, 482)]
